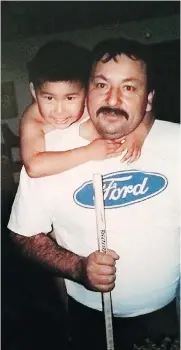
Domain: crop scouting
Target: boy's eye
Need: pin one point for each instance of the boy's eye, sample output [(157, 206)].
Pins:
[(70, 98), (49, 98)]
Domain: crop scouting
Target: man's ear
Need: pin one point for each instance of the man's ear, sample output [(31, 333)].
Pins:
[(32, 89), (150, 101)]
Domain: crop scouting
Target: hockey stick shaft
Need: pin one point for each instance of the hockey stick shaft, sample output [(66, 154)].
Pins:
[(102, 245)]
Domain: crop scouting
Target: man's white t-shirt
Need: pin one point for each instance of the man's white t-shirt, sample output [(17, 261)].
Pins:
[(141, 211)]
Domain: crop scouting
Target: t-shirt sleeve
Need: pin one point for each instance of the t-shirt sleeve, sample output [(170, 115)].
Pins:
[(28, 215)]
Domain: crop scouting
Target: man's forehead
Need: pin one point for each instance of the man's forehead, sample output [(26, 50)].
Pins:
[(119, 62)]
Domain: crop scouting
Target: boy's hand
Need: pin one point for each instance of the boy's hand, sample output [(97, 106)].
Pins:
[(133, 145), (100, 149)]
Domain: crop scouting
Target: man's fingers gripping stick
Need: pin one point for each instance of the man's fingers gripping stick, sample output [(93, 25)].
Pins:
[(102, 244)]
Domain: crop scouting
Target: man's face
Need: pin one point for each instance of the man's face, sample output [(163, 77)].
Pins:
[(117, 97), (60, 103)]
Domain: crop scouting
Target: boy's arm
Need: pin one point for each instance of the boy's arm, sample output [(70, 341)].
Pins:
[(38, 162), (134, 141)]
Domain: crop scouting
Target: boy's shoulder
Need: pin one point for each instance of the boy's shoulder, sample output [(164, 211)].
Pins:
[(31, 118), (31, 114), (31, 111)]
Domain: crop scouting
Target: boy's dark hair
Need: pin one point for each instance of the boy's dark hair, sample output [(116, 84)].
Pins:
[(59, 61), (110, 48)]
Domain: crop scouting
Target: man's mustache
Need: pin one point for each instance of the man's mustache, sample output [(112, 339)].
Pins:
[(116, 111)]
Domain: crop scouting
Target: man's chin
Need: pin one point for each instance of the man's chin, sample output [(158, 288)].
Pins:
[(114, 129), (112, 133)]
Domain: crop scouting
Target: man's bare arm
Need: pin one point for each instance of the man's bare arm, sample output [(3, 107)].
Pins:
[(43, 250), (95, 272)]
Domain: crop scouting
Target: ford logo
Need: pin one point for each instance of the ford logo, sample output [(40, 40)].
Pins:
[(122, 188)]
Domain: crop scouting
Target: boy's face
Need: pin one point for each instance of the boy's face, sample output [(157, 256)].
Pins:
[(60, 103)]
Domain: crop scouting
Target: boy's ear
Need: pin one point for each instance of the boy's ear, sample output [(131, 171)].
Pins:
[(150, 101), (32, 89)]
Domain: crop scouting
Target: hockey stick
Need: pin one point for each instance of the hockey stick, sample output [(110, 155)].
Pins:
[(102, 244)]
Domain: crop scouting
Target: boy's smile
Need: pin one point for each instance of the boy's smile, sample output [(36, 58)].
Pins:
[(60, 103)]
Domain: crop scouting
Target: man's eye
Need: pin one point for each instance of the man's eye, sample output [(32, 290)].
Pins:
[(129, 88), (100, 85)]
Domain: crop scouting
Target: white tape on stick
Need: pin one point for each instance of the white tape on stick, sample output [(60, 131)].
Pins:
[(102, 245)]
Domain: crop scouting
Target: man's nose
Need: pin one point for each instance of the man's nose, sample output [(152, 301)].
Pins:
[(114, 97)]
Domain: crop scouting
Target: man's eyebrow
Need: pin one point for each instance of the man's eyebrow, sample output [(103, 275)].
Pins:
[(132, 79), (100, 76)]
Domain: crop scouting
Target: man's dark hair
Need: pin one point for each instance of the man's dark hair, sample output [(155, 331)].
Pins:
[(59, 61), (110, 48)]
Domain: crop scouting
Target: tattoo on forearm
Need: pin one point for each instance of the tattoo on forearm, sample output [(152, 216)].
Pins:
[(50, 255)]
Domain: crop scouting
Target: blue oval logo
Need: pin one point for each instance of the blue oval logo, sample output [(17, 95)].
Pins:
[(122, 188)]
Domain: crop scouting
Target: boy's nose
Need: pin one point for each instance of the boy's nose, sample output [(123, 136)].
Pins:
[(59, 108)]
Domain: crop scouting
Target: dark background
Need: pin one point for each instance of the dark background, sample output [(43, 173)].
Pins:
[(167, 77), (31, 307), (21, 20), (26, 19)]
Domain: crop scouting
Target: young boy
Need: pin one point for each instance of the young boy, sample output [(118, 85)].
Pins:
[(58, 77)]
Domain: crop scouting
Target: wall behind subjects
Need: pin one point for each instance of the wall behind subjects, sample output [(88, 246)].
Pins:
[(160, 32)]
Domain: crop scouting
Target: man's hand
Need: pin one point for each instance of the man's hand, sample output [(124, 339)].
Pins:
[(99, 271)]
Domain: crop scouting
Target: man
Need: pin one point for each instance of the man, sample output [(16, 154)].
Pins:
[(141, 267)]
